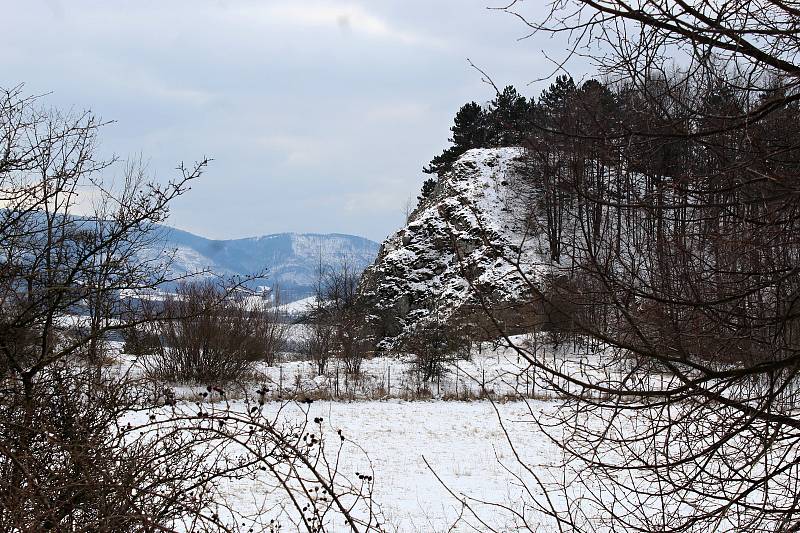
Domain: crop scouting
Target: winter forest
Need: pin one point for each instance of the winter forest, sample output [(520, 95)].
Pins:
[(587, 320)]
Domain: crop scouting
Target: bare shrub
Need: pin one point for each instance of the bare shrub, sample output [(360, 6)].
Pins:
[(140, 341), (317, 344), (435, 345), (70, 462), (68, 466), (204, 337), (269, 332), (355, 345)]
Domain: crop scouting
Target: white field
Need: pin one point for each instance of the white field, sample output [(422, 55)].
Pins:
[(463, 442), (466, 443)]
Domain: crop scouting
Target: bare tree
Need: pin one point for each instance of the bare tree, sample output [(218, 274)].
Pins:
[(58, 416), (679, 244), (339, 326), (204, 337), (86, 448)]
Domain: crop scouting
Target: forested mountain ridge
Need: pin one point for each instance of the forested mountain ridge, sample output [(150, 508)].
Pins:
[(589, 194), (292, 260)]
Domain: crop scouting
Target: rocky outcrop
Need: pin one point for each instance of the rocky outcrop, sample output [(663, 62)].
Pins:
[(467, 248)]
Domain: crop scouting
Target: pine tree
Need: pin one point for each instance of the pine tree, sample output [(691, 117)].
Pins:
[(428, 187), (554, 101), (598, 99), (469, 131), (508, 118), (469, 127)]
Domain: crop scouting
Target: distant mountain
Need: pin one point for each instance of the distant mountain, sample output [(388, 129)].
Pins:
[(292, 259)]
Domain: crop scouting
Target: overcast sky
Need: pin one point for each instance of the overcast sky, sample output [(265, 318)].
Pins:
[(319, 114)]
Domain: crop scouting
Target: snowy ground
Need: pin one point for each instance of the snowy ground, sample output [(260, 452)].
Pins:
[(463, 442)]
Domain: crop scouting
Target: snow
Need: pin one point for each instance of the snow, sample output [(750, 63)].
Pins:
[(473, 223), (463, 442), (467, 444), (298, 307)]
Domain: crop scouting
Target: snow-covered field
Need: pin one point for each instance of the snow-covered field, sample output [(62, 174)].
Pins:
[(463, 442), (429, 450), (466, 443)]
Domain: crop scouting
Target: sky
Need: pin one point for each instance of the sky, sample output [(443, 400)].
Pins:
[(319, 115)]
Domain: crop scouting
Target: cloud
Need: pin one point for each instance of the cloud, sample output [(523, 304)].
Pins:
[(397, 111), (163, 91), (375, 201), (298, 150), (319, 114), (152, 86), (346, 18)]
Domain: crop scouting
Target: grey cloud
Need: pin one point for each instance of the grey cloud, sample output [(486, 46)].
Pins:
[(319, 115)]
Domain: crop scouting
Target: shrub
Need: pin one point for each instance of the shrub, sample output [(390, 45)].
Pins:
[(204, 337), (434, 344), (140, 341), (67, 466)]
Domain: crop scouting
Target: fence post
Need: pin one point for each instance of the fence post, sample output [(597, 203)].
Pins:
[(456, 379)]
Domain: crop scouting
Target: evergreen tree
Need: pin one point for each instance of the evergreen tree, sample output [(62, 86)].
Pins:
[(595, 112), (554, 101), (427, 189), (598, 99), (508, 118), (469, 131), (469, 127)]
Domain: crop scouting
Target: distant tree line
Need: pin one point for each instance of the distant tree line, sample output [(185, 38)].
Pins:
[(510, 119)]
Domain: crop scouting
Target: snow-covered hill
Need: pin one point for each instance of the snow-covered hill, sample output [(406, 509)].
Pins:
[(292, 259), (457, 245)]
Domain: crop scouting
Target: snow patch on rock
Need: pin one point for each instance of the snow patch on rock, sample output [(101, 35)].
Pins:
[(472, 237)]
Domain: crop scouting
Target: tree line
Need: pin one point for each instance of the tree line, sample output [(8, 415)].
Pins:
[(664, 198)]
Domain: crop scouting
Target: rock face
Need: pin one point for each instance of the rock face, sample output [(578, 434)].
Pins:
[(466, 249)]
